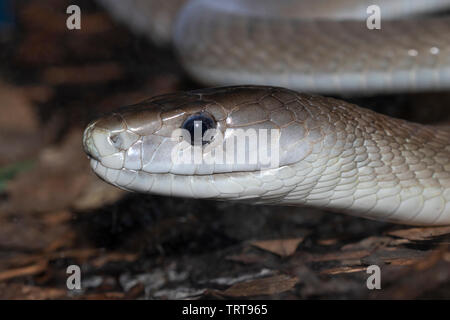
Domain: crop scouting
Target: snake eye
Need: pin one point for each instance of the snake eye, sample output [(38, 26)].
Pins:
[(197, 125)]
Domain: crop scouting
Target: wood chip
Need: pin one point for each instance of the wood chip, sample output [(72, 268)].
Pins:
[(340, 270), (25, 271), (401, 262), (281, 247), (420, 234), (114, 257), (262, 287), (328, 242), (22, 260)]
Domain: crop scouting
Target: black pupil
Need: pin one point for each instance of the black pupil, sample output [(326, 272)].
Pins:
[(195, 121)]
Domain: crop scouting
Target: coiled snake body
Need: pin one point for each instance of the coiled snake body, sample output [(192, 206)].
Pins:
[(331, 154)]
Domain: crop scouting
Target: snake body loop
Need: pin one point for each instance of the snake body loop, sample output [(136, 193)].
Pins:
[(308, 46)]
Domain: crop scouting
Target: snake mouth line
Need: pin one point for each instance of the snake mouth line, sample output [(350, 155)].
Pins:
[(95, 162)]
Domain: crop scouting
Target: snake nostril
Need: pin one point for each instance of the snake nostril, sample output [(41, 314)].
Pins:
[(88, 143), (114, 138)]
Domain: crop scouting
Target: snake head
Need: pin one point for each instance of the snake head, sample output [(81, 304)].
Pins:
[(245, 135)]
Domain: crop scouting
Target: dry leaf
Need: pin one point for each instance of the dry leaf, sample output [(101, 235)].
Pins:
[(262, 287), (281, 247), (420, 233)]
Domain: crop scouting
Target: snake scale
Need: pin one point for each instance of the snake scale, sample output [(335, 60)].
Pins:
[(331, 154)]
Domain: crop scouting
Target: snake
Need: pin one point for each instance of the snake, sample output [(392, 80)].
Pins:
[(265, 63)]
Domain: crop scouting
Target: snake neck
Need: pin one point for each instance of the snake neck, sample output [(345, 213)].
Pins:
[(377, 167)]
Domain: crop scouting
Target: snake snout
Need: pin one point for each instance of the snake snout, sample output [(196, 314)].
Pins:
[(108, 141), (101, 137), (88, 142)]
